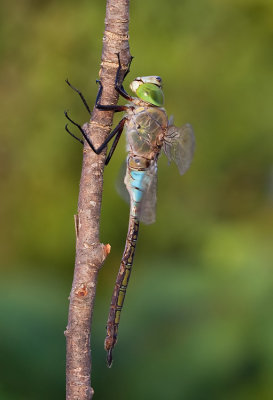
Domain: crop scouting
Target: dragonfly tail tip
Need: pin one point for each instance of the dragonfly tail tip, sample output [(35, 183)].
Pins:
[(109, 358)]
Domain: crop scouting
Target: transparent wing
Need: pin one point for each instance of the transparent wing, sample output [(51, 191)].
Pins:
[(120, 185), (147, 211), (179, 144)]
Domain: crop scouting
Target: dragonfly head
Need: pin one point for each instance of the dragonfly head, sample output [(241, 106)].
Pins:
[(149, 89)]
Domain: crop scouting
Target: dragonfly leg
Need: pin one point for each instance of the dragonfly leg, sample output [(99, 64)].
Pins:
[(108, 107), (128, 67), (72, 134), (82, 132), (117, 130), (118, 86), (115, 142), (107, 140), (81, 96)]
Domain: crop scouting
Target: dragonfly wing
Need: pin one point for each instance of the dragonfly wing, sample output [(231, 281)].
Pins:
[(179, 144), (120, 185), (147, 211)]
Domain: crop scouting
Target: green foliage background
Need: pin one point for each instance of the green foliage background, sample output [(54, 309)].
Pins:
[(197, 322)]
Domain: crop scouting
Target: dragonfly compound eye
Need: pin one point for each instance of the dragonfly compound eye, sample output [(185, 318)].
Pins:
[(151, 93)]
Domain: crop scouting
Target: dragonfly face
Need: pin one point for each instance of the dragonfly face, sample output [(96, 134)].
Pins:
[(156, 80), (148, 89)]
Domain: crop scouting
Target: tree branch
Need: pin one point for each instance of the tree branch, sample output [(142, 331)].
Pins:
[(90, 253)]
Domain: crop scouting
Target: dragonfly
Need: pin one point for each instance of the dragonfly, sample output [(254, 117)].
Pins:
[(148, 131)]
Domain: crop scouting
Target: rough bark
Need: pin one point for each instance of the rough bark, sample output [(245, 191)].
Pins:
[(90, 253)]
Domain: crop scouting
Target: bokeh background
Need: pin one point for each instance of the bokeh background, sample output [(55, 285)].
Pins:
[(197, 322)]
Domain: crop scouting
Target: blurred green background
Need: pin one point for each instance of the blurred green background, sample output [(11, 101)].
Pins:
[(197, 322)]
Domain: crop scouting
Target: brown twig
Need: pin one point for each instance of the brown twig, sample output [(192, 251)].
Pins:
[(90, 253)]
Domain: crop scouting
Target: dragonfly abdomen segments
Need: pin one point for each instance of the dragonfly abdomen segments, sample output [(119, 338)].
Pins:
[(121, 287)]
